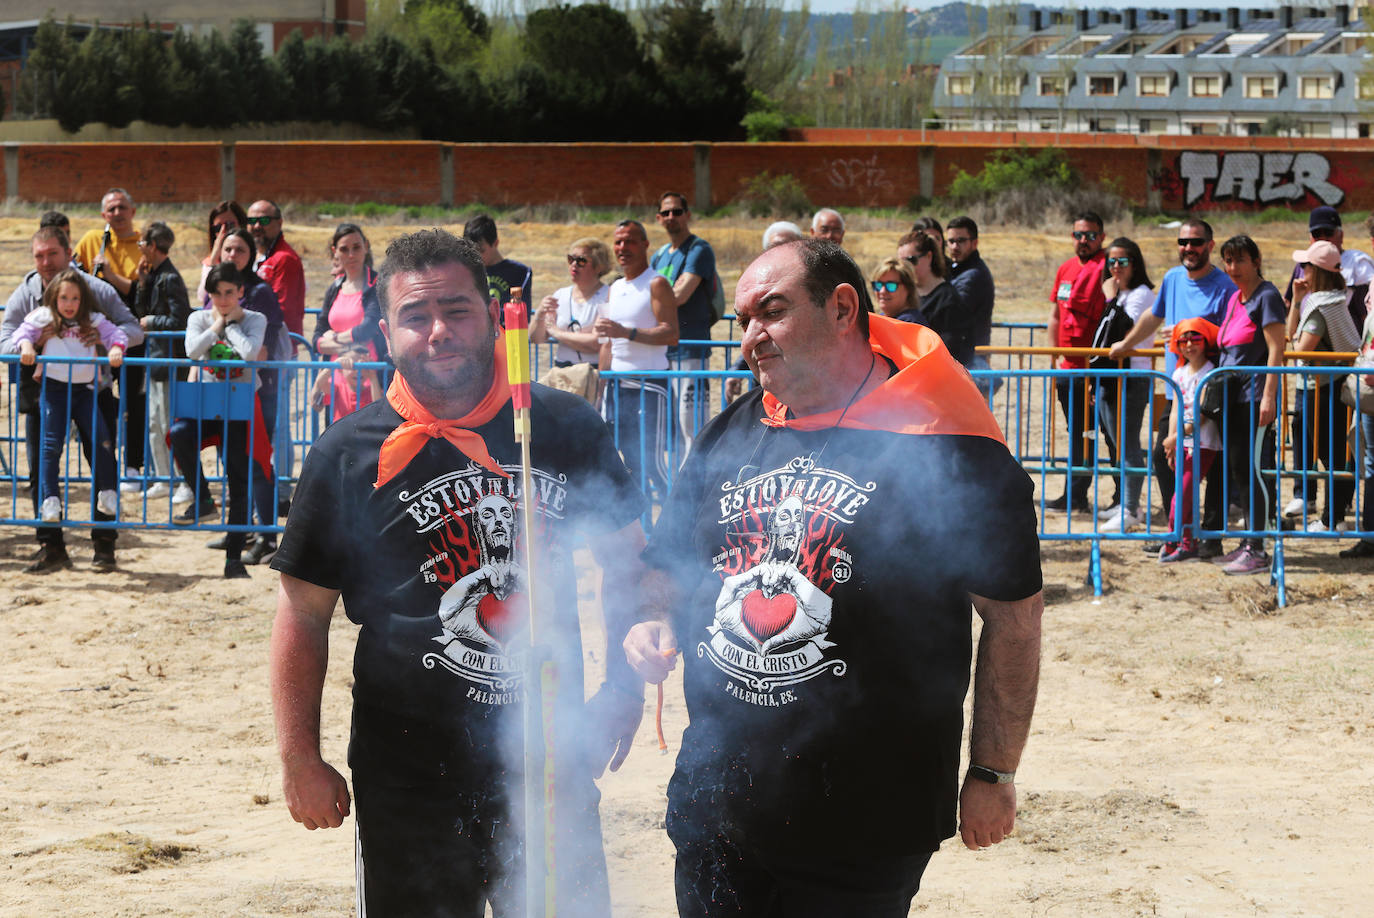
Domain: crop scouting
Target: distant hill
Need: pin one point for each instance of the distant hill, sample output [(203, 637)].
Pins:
[(947, 26)]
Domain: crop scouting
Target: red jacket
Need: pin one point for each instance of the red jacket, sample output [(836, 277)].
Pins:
[(284, 273)]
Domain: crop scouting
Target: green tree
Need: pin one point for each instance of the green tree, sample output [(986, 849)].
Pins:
[(773, 44), (702, 72)]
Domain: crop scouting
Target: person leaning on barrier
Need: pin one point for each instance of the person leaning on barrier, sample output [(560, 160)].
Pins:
[(407, 511), (568, 315), (688, 263), (1121, 410), (52, 253), (1251, 335), (826, 626), (1078, 304), (636, 327), (1357, 269), (1365, 547), (1324, 325), (1194, 289), (162, 305)]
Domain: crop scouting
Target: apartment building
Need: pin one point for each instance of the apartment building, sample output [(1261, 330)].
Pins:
[(1190, 71)]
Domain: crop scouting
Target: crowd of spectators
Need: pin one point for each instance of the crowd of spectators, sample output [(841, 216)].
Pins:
[(117, 292)]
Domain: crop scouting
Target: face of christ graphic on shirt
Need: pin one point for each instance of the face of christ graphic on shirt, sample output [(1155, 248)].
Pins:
[(774, 603), (489, 605)]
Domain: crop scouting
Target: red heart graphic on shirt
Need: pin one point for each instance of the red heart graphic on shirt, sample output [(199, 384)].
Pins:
[(766, 617), (501, 617)]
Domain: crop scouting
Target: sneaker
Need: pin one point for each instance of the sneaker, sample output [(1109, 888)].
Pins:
[(157, 489), (1186, 551), (234, 570), (131, 487), (1316, 526), (217, 544), (52, 510), (1209, 548), (1250, 561), (1165, 549), (1295, 507), (1360, 549), (183, 494), (1058, 505), (1119, 520), (1154, 548), (261, 551), (195, 512), (50, 558), (103, 561), (107, 502), (1232, 555)]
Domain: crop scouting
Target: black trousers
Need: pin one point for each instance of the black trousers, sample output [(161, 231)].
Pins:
[(1075, 399), (440, 850), (719, 875)]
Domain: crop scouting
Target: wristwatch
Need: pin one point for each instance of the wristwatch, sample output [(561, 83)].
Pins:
[(991, 776)]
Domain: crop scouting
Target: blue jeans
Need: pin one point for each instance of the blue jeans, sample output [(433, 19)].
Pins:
[(1127, 448), (630, 403), (54, 401), (691, 396)]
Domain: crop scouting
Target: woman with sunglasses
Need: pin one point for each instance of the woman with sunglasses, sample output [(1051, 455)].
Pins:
[(568, 314), (894, 291), (225, 217), (1129, 292)]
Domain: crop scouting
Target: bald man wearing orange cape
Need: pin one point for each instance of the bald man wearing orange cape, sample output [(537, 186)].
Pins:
[(817, 566)]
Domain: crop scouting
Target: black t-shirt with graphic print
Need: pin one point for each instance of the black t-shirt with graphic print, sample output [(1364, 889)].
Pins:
[(431, 567), (827, 633)]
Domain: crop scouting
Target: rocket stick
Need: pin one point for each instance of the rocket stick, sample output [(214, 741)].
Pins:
[(540, 784)]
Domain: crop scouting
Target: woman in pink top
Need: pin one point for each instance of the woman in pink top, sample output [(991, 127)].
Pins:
[(349, 322)]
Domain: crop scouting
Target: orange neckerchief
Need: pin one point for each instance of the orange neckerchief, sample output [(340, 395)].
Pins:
[(931, 393), (402, 444)]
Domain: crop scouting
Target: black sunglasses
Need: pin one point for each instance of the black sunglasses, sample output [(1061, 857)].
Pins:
[(1191, 243), (258, 221), (1123, 260), (1085, 235), (672, 212), (579, 260)]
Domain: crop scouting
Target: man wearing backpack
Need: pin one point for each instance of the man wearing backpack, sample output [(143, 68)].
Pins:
[(690, 266)]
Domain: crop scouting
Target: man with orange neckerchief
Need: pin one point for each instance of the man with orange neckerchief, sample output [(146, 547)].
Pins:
[(407, 510), (816, 565)]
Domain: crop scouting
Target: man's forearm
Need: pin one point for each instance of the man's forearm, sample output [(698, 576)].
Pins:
[(299, 659), (1005, 681)]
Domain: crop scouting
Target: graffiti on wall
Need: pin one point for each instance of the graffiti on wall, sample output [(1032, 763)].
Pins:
[(1276, 177), (861, 175)]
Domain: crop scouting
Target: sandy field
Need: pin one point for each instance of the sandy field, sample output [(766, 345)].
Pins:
[(1196, 750)]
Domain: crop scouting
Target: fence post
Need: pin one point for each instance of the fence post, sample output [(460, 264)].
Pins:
[(226, 171), (701, 169)]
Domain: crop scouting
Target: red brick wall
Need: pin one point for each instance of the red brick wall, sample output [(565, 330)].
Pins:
[(150, 171), (590, 174), (401, 172), (881, 173), (834, 175)]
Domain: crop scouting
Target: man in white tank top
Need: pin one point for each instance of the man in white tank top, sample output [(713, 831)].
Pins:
[(637, 326)]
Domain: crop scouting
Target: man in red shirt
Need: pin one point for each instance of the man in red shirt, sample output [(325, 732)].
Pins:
[(1078, 305), (278, 263), (280, 266)]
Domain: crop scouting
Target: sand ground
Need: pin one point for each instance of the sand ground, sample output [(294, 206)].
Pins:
[(1196, 751)]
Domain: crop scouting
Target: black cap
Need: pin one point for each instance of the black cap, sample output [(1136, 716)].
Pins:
[(1324, 217)]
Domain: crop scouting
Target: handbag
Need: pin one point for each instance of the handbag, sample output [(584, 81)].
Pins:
[(1211, 401), (1357, 393), (581, 379)]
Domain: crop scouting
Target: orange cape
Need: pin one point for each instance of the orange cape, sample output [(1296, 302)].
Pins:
[(931, 392)]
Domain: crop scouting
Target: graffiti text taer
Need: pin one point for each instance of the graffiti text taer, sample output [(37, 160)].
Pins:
[(1257, 178)]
